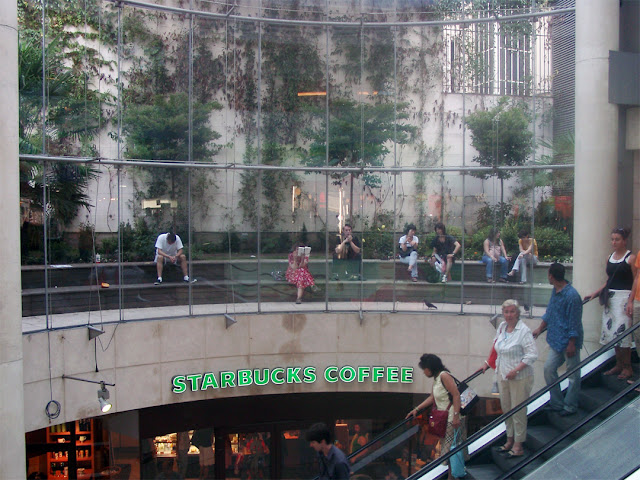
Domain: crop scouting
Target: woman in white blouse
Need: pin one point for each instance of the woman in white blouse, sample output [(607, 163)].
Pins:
[(517, 352)]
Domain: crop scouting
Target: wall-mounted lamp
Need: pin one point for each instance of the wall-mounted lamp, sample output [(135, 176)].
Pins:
[(103, 393), (94, 332), (229, 320)]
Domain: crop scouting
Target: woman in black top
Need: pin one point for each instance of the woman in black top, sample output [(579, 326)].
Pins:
[(620, 273)]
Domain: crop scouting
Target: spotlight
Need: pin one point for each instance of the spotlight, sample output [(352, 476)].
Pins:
[(103, 396), (103, 393)]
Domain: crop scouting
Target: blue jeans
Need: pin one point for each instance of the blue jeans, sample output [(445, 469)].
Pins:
[(570, 400), (504, 265), (412, 260)]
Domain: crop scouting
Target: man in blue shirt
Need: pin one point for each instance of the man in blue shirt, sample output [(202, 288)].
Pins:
[(563, 321), (333, 463)]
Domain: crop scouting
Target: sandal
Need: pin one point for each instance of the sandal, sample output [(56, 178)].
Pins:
[(414, 279), (624, 375), (613, 371), (512, 454), (504, 449)]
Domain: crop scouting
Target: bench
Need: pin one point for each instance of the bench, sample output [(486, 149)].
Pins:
[(76, 288)]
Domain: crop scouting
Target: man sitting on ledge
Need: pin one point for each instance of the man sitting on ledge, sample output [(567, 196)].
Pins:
[(347, 256), (169, 249)]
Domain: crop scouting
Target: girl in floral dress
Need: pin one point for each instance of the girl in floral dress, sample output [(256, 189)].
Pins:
[(298, 272)]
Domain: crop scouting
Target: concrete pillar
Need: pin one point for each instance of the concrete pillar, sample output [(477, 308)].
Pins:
[(632, 142), (596, 152), (12, 445)]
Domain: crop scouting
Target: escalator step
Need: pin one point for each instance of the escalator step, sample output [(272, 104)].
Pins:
[(592, 398), (487, 471), (539, 435)]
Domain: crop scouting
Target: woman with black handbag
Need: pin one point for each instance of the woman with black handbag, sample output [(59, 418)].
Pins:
[(517, 352), (614, 295), (445, 397)]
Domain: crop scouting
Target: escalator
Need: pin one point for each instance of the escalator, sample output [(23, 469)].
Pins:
[(604, 403)]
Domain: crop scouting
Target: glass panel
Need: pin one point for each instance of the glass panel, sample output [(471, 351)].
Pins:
[(429, 116), (226, 266), (443, 241), (292, 101)]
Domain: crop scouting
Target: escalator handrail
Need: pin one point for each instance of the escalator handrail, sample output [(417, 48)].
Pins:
[(494, 423), (530, 458), (403, 422)]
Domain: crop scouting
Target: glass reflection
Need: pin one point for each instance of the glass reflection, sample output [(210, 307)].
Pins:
[(239, 94)]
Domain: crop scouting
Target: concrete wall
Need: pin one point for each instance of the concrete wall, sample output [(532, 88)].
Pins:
[(141, 358), (12, 452)]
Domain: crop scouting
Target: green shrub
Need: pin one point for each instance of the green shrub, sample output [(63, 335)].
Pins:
[(109, 249), (378, 244), (233, 239), (281, 243), (61, 252), (553, 244)]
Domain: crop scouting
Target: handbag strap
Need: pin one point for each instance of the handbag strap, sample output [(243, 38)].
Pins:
[(440, 379), (624, 259)]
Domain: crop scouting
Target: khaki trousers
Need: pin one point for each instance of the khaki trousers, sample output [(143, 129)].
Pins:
[(512, 393)]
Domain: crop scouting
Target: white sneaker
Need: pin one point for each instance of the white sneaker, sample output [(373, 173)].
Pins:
[(158, 281), (444, 279)]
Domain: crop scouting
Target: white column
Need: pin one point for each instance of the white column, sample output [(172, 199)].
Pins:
[(632, 142), (596, 152), (12, 445)]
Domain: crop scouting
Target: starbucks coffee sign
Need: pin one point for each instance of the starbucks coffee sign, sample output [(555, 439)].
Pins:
[(285, 375)]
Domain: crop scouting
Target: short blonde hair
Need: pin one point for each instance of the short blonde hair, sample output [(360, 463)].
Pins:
[(511, 303)]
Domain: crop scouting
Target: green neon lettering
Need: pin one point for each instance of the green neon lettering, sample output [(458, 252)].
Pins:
[(351, 371), (178, 384), (293, 375), (377, 373), (392, 374), (309, 375), (209, 381), (406, 375), (227, 379), (363, 372), (261, 380), (194, 381), (327, 374), (244, 378), (274, 376)]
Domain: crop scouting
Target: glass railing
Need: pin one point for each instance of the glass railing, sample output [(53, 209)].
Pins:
[(286, 127)]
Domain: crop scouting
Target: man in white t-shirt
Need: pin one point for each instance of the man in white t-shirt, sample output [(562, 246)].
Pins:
[(169, 249)]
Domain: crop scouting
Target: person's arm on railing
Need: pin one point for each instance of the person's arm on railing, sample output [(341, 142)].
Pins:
[(541, 328), (595, 294), (426, 403)]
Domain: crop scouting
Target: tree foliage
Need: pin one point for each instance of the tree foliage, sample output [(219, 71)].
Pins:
[(160, 130), (501, 137), (65, 120), (359, 136)]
